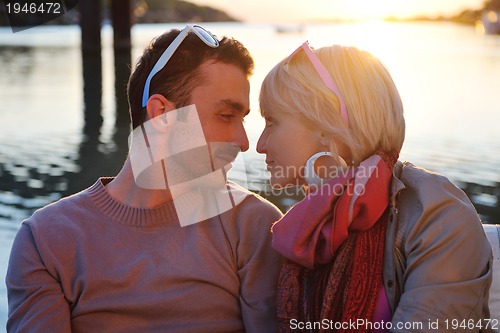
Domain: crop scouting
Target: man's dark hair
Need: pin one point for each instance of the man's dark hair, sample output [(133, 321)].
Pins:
[(181, 74)]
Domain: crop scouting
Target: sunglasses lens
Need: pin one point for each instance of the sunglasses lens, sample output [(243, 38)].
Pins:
[(206, 36)]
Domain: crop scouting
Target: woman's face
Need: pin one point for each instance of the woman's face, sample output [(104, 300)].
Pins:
[(287, 143)]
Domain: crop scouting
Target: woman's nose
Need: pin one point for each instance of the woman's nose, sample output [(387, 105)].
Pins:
[(262, 143)]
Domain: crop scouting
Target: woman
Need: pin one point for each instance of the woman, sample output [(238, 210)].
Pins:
[(376, 243)]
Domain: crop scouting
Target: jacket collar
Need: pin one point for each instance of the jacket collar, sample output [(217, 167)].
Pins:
[(397, 185)]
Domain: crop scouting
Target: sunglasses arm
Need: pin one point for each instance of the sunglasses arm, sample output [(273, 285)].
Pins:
[(165, 57)]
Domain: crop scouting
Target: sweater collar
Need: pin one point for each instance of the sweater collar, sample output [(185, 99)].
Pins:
[(127, 215)]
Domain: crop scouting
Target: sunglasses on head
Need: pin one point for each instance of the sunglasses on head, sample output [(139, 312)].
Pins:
[(204, 35), (325, 76)]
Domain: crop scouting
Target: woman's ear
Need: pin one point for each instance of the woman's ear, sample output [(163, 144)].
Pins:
[(158, 105), (339, 148), (323, 140)]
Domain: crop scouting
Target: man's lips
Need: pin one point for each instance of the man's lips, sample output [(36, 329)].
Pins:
[(227, 158)]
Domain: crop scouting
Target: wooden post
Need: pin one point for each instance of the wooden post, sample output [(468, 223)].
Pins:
[(121, 16), (90, 24)]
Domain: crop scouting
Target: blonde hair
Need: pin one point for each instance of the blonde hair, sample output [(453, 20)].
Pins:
[(374, 107)]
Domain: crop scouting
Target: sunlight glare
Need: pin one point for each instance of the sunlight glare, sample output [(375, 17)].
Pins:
[(373, 10)]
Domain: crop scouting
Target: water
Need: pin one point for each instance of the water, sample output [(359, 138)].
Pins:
[(448, 77)]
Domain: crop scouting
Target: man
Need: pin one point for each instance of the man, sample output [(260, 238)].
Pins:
[(131, 254)]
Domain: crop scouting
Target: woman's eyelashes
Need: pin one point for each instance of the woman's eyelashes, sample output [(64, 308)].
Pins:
[(269, 122)]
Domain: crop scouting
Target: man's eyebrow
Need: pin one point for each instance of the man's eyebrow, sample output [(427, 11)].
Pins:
[(235, 106)]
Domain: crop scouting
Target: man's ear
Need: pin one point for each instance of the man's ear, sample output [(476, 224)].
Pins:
[(158, 105)]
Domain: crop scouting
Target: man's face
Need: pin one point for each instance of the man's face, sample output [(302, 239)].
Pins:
[(222, 101), (192, 142)]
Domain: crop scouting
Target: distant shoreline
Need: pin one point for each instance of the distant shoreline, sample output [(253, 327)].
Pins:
[(467, 17)]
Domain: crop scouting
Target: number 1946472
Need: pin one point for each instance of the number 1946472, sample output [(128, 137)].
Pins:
[(33, 8)]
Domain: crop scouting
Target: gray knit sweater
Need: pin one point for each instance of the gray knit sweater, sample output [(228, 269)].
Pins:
[(88, 263)]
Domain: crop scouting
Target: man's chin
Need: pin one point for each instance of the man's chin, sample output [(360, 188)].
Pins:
[(279, 184), (223, 164)]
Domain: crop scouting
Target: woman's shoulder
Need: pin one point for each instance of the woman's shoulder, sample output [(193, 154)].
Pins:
[(427, 186), (412, 175), (423, 195)]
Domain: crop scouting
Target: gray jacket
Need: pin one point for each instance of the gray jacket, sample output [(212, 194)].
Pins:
[(437, 271)]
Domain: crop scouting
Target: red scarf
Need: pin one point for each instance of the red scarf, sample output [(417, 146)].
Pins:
[(334, 240)]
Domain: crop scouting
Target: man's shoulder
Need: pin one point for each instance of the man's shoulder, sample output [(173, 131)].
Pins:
[(57, 212), (247, 202), (248, 224)]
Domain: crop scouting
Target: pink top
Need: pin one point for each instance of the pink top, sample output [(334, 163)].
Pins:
[(382, 311)]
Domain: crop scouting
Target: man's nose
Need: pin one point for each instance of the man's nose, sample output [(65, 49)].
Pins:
[(241, 138)]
